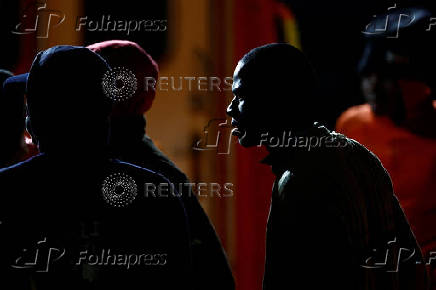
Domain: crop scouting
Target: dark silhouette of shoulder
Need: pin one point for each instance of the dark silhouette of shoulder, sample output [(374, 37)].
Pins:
[(90, 208)]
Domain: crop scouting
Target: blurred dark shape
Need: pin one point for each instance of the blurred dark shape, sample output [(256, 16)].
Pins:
[(399, 121), (397, 69), (76, 203), (13, 147), (149, 26), (130, 143), (332, 38), (16, 146), (83, 114), (9, 17), (4, 74), (6, 152), (332, 203)]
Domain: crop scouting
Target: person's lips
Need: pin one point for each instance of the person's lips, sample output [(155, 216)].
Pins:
[(237, 131)]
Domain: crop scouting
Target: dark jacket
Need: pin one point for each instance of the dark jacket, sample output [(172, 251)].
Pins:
[(334, 217), (211, 268), (85, 223)]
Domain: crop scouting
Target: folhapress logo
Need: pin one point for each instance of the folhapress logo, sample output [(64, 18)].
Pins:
[(39, 257), (38, 19), (216, 136), (41, 24), (391, 23)]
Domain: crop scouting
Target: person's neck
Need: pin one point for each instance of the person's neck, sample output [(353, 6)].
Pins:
[(72, 150), (299, 143), (286, 135)]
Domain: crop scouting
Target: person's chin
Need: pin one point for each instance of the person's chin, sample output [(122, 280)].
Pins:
[(247, 140), (245, 143)]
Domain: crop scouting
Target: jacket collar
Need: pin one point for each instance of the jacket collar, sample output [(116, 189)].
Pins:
[(283, 159)]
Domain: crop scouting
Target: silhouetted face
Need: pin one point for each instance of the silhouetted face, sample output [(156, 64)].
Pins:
[(246, 108), (273, 87)]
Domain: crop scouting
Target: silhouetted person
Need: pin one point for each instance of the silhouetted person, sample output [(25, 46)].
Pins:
[(332, 202), (10, 146), (398, 120), (130, 143), (71, 217), (397, 72), (13, 147)]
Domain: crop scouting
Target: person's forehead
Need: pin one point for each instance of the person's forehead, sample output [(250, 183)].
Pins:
[(240, 76), (238, 68), (237, 85)]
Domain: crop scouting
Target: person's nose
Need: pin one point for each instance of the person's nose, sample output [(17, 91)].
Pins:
[(231, 108)]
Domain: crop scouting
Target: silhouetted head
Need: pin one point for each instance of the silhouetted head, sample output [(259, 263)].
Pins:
[(274, 91), (67, 107), (12, 113), (397, 64), (127, 54)]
